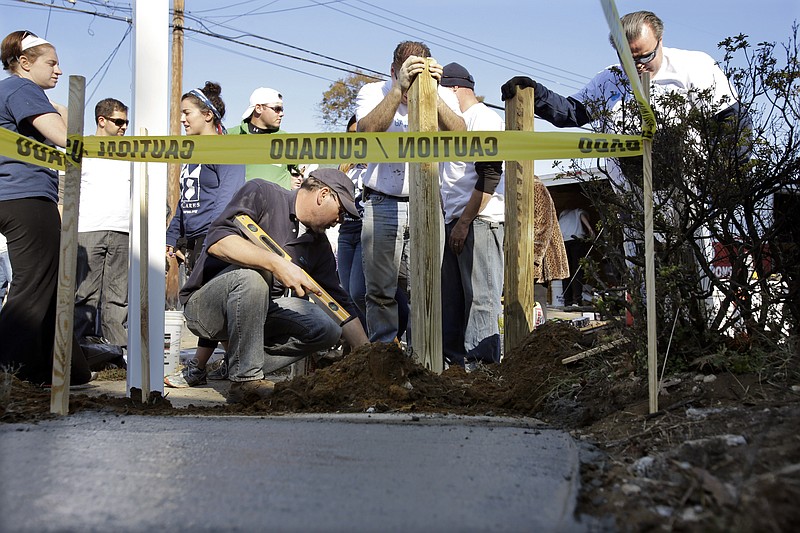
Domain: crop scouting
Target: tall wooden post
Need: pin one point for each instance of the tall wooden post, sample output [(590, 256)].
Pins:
[(425, 215), (144, 285), (68, 252), (174, 169), (518, 246), (649, 255)]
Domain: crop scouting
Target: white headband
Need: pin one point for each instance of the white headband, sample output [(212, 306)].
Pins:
[(31, 40)]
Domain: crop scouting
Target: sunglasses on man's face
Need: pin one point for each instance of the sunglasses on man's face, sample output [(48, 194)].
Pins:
[(645, 59), (118, 122)]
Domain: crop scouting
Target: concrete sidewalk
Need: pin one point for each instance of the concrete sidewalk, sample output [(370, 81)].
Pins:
[(364, 472), (106, 472)]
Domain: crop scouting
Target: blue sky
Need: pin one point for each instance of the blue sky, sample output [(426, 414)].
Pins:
[(560, 43)]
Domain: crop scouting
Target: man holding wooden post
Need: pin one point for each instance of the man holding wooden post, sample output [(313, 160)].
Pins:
[(383, 106), (237, 289)]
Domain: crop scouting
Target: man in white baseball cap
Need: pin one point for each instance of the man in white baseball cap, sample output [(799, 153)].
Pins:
[(264, 115)]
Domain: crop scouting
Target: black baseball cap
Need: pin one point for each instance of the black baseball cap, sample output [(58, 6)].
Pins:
[(454, 75)]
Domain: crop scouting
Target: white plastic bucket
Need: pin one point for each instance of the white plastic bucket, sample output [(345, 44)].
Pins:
[(556, 296), (173, 325)]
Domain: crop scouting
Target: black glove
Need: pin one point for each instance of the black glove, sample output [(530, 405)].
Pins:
[(509, 88)]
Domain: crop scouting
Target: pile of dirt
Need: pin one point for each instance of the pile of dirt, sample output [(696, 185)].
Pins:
[(722, 454), (381, 378), (376, 377)]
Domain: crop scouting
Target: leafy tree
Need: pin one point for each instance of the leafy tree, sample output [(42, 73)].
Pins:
[(338, 102)]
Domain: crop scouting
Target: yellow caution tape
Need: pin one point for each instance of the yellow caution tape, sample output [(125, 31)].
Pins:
[(359, 147), (26, 149), (30, 150), (333, 147), (624, 52)]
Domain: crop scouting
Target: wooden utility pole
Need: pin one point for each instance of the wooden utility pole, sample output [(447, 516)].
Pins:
[(174, 169), (518, 310), (425, 220), (68, 253)]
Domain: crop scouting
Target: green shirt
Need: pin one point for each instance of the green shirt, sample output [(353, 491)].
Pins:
[(275, 173)]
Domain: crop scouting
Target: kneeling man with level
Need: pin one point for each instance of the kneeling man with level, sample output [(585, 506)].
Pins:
[(243, 291)]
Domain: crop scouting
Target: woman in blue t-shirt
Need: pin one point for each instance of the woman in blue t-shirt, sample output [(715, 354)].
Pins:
[(29, 215), (205, 191)]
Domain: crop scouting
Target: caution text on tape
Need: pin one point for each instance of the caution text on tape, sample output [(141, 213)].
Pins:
[(334, 147)]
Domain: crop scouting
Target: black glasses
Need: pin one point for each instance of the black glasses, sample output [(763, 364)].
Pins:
[(342, 210), (277, 108), (118, 122), (645, 59)]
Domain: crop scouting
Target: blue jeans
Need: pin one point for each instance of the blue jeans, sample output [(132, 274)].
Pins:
[(351, 274), (263, 334), (472, 285), (385, 225), (351, 271)]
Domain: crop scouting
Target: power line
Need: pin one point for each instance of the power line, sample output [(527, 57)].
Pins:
[(112, 5), (242, 33), (47, 26), (284, 54), (220, 8), (260, 59), (582, 79), (234, 17), (107, 64), (129, 20), (256, 12), (445, 46), (319, 3), (236, 40)]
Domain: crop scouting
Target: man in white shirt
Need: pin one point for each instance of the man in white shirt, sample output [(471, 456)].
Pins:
[(474, 216), (672, 71), (383, 106), (103, 240)]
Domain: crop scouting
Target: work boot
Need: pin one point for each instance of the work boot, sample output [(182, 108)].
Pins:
[(247, 392)]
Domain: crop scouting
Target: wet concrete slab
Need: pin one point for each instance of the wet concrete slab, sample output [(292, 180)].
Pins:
[(110, 472)]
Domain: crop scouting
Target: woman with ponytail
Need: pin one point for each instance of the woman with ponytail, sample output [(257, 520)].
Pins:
[(205, 191)]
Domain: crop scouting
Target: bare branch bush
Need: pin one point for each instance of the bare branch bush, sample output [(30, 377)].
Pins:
[(726, 210)]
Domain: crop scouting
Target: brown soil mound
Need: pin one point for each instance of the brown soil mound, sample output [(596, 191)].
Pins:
[(377, 377)]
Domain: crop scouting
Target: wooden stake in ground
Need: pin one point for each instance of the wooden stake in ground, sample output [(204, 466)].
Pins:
[(174, 169), (518, 309), (649, 255), (425, 220), (144, 287), (68, 253)]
